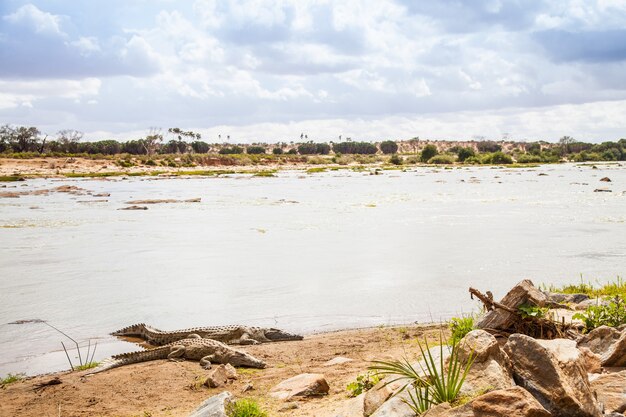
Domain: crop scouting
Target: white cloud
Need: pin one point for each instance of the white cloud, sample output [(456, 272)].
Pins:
[(42, 22), (17, 93)]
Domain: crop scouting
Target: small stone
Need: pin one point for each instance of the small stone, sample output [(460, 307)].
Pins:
[(339, 360), (248, 387), (220, 376), (134, 208), (605, 179), (287, 407)]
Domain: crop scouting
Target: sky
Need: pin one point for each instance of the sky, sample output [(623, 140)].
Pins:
[(260, 70)]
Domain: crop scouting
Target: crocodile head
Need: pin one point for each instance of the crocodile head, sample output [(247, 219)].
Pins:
[(239, 358), (277, 335)]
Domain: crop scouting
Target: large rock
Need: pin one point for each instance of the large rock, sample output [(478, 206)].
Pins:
[(490, 370), (395, 407), (354, 407), (378, 394), (553, 372), (523, 293), (303, 385), (608, 343), (611, 390), (220, 376), (561, 298), (214, 406), (509, 402), (445, 410)]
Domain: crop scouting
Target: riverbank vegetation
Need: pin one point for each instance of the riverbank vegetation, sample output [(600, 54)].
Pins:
[(179, 148)]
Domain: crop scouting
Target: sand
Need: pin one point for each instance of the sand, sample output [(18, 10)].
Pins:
[(165, 388)]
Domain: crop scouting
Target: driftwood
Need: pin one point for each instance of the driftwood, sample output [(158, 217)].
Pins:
[(511, 320)]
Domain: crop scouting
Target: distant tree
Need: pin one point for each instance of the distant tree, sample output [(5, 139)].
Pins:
[(231, 150), (388, 147), (428, 152), (277, 151), (199, 146), (359, 148), (464, 153), (152, 141), (21, 138), (68, 140), (255, 150), (533, 148), (488, 146)]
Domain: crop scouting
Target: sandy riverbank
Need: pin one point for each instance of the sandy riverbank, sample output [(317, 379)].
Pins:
[(164, 388)]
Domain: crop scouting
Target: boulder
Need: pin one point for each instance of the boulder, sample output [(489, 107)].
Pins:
[(445, 410), (509, 402), (561, 298), (214, 406), (522, 293), (611, 390), (354, 407), (220, 376), (608, 343), (583, 305), (592, 362), (553, 372), (395, 407), (490, 370), (303, 385)]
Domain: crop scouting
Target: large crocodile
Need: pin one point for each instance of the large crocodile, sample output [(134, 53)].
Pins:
[(206, 351), (232, 335)]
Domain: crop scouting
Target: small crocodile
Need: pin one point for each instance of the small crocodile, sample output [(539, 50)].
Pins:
[(206, 351), (232, 335)]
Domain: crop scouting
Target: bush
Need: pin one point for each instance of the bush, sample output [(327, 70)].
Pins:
[(441, 159), (474, 160), (488, 146), (428, 152), (200, 147), (388, 147), (277, 151), (244, 408), (311, 148), (361, 148), (459, 327), (255, 150), (613, 314), (529, 158), (464, 153), (364, 382), (292, 151), (498, 158), (395, 159)]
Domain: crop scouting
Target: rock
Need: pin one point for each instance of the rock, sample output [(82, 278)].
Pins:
[(248, 387), (491, 368), (303, 385), (509, 402), (445, 410), (339, 360), (214, 406), (602, 190), (134, 208), (378, 394), (566, 298), (164, 201), (395, 407), (351, 408), (590, 302), (611, 391), (553, 372), (287, 407), (592, 362), (605, 179), (524, 292), (608, 343), (221, 376)]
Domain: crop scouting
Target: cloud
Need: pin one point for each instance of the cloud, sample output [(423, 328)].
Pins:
[(589, 46), (24, 93), (42, 22)]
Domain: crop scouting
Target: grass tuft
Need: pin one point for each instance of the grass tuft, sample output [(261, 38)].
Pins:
[(11, 378), (86, 366), (245, 408)]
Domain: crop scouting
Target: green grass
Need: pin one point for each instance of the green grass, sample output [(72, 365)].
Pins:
[(11, 378), (459, 327), (86, 366), (315, 170), (11, 178), (609, 289), (245, 408), (265, 174)]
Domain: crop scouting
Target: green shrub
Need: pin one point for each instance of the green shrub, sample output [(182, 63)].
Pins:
[(498, 158), (442, 159), (86, 366), (613, 314), (388, 147), (459, 327), (255, 150), (464, 153), (277, 151), (428, 152), (474, 160), (231, 150), (150, 162), (244, 408), (528, 310), (395, 159), (364, 382), (11, 378), (125, 163)]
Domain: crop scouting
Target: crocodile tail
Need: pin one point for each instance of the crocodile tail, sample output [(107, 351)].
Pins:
[(134, 330), (129, 358)]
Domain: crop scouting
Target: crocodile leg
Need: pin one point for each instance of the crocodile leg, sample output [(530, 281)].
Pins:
[(245, 339), (177, 353), (206, 361)]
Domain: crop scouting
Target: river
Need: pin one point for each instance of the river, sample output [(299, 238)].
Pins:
[(304, 252)]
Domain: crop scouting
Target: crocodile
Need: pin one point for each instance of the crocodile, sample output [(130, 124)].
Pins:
[(206, 351), (232, 335)]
